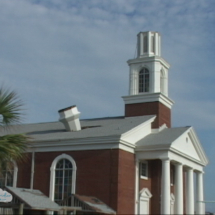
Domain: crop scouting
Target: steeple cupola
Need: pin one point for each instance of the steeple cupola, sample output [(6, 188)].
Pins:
[(148, 81), (148, 44)]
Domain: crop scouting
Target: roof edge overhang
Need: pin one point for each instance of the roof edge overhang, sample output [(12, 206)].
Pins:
[(198, 146), (139, 132), (167, 147)]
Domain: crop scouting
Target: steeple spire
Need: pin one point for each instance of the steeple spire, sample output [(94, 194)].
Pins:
[(148, 81)]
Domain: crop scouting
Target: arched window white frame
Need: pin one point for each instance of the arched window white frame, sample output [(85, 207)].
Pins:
[(8, 177), (144, 79), (53, 169)]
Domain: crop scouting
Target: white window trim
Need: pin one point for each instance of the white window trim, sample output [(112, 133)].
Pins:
[(15, 173), (147, 170), (52, 177)]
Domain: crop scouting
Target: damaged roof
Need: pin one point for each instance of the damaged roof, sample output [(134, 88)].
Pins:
[(34, 199), (95, 204)]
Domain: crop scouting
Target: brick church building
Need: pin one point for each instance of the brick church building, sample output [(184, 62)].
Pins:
[(134, 164)]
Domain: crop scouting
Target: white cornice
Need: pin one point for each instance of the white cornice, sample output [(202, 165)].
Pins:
[(107, 142), (148, 97), (198, 146), (126, 141), (177, 154), (149, 59)]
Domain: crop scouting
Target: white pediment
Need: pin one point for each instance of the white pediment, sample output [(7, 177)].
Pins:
[(189, 146), (145, 193)]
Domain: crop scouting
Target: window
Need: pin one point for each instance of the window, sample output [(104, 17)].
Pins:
[(63, 177), (8, 176), (63, 180), (144, 169), (144, 80)]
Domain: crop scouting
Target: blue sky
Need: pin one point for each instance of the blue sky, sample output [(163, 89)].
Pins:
[(58, 53)]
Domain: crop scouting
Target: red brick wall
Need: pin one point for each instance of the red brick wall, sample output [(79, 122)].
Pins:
[(153, 183), (24, 173), (162, 112), (126, 183), (106, 174)]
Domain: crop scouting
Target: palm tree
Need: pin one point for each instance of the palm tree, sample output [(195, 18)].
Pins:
[(12, 146)]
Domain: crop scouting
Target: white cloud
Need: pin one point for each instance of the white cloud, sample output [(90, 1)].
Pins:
[(57, 53)]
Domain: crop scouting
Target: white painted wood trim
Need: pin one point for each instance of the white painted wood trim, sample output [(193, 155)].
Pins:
[(52, 176)]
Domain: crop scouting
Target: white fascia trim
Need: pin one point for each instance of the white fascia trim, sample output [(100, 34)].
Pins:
[(167, 148), (73, 142), (151, 155), (185, 162), (138, 132), (149, 59), (194, 138), (150, 148), (173, 155), (186, 156), (110, 142), (197, 145), (148, 97)]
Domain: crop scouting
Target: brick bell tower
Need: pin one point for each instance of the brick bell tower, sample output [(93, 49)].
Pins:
[(148, 81)]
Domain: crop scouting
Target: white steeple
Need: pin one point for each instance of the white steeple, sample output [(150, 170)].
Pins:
[(148, 81), (149, 71)]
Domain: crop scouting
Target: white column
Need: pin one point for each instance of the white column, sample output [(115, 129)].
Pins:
[(141, 44), (190, 192), (200, 206), (165, 187), (131, 87), (156, 43), (178, 189), (149, 42)]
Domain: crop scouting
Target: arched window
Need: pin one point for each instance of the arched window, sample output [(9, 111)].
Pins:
[(63, 177), (8, 176), (144, 80), (63, 180)]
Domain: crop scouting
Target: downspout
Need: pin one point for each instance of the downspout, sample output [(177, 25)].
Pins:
[(32, 170), (137, 187)]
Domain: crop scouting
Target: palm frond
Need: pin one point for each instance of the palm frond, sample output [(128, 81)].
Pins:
[(10, 107), (13, 147)]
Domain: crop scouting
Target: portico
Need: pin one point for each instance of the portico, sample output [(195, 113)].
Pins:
[(187, 157)]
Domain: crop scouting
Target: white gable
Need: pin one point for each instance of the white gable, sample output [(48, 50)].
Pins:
[(189, 145), (185, 145)]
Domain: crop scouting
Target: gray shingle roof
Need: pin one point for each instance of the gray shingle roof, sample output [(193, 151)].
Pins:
[(90, 128), (162, 138)]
